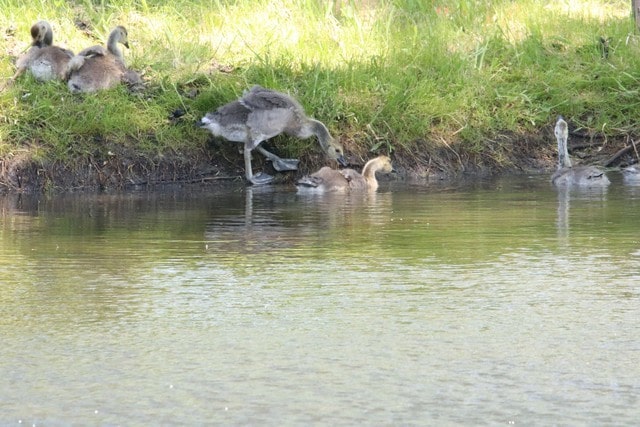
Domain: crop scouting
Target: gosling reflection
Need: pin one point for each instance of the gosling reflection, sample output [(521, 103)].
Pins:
[(248, 222), (267, 219), (562, 223), (568, 195)]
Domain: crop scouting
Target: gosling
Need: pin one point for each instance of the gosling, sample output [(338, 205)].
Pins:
[(567, 175), (96, 68), (43, 60), (261, 114), (328, 180)]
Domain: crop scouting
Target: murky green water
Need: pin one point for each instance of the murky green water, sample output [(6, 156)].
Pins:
[(501, 303)]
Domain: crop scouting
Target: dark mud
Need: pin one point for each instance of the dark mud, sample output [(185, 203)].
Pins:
[(219, 164)]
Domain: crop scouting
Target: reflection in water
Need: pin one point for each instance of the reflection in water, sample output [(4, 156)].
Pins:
[(504, 301), (271, 220), (589, 195), (250, 224), (564, 195)]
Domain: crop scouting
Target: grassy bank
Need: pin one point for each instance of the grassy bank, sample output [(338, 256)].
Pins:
[(443, 86)]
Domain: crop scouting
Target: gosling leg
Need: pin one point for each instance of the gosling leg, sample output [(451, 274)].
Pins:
[(258, 179)]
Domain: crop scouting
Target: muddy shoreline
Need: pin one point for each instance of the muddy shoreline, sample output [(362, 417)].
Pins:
[(219, 165)]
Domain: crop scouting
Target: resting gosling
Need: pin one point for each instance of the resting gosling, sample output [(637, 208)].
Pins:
[(96, 68), (43, 60), (566, 174), (328, 180), (261, 114)]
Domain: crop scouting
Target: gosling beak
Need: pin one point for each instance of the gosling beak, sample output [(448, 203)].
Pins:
[(203, 122), (126, 45), (343, 162)]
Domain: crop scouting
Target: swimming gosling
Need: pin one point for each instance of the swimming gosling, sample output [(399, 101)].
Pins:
[(96, 68), (261, 114), (631, 175), (328, 180), (43, 60), (566, 174)]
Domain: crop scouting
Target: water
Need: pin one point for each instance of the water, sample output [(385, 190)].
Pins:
[(504, 302)]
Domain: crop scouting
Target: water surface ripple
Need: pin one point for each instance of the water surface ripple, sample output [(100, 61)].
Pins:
[(503, 302)]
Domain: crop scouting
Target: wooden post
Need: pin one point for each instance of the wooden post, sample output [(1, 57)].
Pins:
[(635, 5)]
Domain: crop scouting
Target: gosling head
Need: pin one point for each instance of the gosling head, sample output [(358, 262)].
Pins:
[(42, 34), (119, 35), (335, 152), (561, 130), (385, 164), (210, 123)]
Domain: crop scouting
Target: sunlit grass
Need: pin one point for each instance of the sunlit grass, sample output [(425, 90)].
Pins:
[(384, 75)]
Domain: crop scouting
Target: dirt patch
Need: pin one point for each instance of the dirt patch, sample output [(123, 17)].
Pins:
[(111, 171)]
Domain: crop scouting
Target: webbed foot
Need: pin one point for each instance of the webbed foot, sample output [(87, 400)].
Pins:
[(285, 164), (278, 163), (261, 178)]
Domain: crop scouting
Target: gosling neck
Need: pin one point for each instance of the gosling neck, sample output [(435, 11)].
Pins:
[(370, 169), (563, 152), (317, 128), (562, 136), (369, 173), (112, 45), (330, 146), (48, 35)]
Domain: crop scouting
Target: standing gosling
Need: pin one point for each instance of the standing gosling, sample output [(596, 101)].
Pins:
[(261, 114)]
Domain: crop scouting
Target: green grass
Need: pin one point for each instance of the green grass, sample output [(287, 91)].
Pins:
[(407, 76)]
